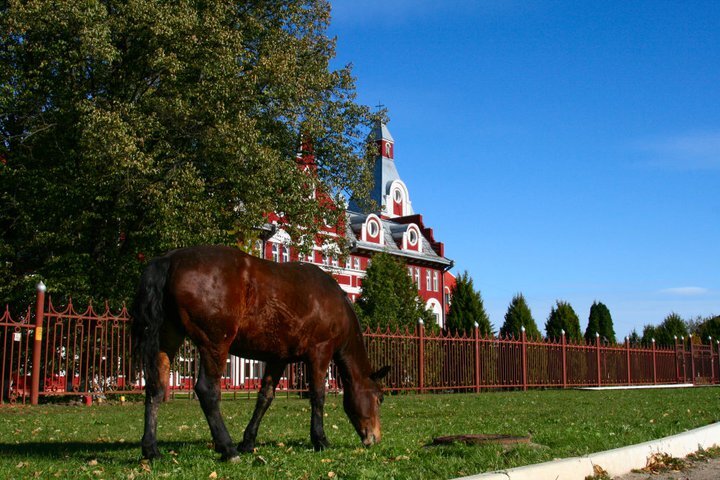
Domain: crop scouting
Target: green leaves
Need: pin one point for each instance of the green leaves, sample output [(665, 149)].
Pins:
[(129, 128), (467, 308), (389, 297), (600, 321), (563, 317), (517, 316)]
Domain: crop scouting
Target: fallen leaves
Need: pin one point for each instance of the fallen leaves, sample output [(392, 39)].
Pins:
[(662, 462)]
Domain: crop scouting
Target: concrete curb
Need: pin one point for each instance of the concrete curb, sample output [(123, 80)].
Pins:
[(615, 462)]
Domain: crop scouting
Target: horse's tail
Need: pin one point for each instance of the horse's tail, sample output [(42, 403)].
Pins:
[(147, 315)]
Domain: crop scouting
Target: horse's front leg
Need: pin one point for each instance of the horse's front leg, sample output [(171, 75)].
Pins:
[(318, 370), (270, 379), (207, 389)]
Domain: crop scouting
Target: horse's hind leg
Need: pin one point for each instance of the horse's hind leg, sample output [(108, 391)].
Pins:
[(207, 389), (154, 394), (271, 377)]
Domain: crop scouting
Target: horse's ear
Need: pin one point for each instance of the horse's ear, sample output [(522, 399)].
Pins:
[(380, 374)]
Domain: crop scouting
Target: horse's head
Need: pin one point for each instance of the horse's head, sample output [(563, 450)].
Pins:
[(362, 406)]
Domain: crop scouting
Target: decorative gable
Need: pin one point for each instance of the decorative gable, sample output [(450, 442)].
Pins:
[(372, 230), (411, 239)]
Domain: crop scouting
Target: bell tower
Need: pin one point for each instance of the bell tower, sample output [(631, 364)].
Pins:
[(389, 192)]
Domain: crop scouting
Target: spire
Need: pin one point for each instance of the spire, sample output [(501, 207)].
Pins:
[(389, 192), (384, 140)]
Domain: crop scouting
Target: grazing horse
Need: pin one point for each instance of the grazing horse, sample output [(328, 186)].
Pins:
[(229, 302)]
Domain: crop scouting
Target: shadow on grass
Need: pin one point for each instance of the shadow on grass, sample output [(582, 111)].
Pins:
[(111, 451), (115, 451)]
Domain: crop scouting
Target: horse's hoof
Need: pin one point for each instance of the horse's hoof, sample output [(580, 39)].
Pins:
[(246, 447), (230, 457), (320, 445), (150, 453)]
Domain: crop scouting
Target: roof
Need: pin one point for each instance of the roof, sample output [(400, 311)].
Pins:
[(392, 241), (381, 132)]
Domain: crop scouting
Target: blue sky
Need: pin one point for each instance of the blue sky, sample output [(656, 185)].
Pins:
[(566, 150)]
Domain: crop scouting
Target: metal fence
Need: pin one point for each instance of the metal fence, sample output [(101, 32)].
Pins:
[(52, 351)]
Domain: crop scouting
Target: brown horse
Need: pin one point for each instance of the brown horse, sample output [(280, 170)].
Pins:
[(229, 302)]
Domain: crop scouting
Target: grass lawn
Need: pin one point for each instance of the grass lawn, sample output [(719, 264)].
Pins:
[(102, 441)]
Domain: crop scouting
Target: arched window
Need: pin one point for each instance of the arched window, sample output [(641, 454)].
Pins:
[(373, 230)]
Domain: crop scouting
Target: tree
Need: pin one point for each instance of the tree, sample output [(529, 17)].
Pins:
[(389, 297), (706, 327), (467, 308), (600, 321), (563, 317), (672, 326), (649, 333), (634, 338), (517, 316), (130, 128), (664, 334)]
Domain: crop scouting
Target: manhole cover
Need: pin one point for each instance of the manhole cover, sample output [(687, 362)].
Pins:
[(481, 439)]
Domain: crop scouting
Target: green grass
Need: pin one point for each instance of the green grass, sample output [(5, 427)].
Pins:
[(102, 441)]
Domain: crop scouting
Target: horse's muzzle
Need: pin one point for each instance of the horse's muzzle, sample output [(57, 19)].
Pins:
[(370, 440)]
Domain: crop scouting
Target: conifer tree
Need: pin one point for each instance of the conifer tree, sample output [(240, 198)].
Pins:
[(467, 308), (664, 334), (605, 322), (709, 327), (518, 315), (593, 327), (600, 322), (389, 297), (563, 317)]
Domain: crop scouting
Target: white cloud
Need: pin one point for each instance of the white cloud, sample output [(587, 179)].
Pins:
[(685, 291), (693, 151)]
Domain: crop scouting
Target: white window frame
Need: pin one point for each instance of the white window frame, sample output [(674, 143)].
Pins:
[(436, 282), (428, 281), (285, 253), (275, 253)]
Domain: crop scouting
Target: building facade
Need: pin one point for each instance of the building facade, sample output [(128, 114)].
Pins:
[(394, 228)]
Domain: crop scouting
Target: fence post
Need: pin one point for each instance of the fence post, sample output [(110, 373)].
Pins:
[(37, 347), (523, 338), (692, 358), (717, 344), (564, 358), (421, 354), (599, 368), (477, 357), (677, 361), (654, 363), (627, 352), (712, 365)]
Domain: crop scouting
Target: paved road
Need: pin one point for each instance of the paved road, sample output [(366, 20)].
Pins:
[(696, 470)]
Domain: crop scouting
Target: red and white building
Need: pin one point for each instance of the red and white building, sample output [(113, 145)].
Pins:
[(395, 228)]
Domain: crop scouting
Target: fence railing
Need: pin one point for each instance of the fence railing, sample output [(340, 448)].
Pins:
[(50, 351)]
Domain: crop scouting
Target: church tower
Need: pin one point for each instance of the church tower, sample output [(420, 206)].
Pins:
[(389, 191)]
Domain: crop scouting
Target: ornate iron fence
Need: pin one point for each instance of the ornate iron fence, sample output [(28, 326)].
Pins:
[(50, 351)]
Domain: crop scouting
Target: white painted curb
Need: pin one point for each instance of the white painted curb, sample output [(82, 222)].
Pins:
[(615, 462)]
